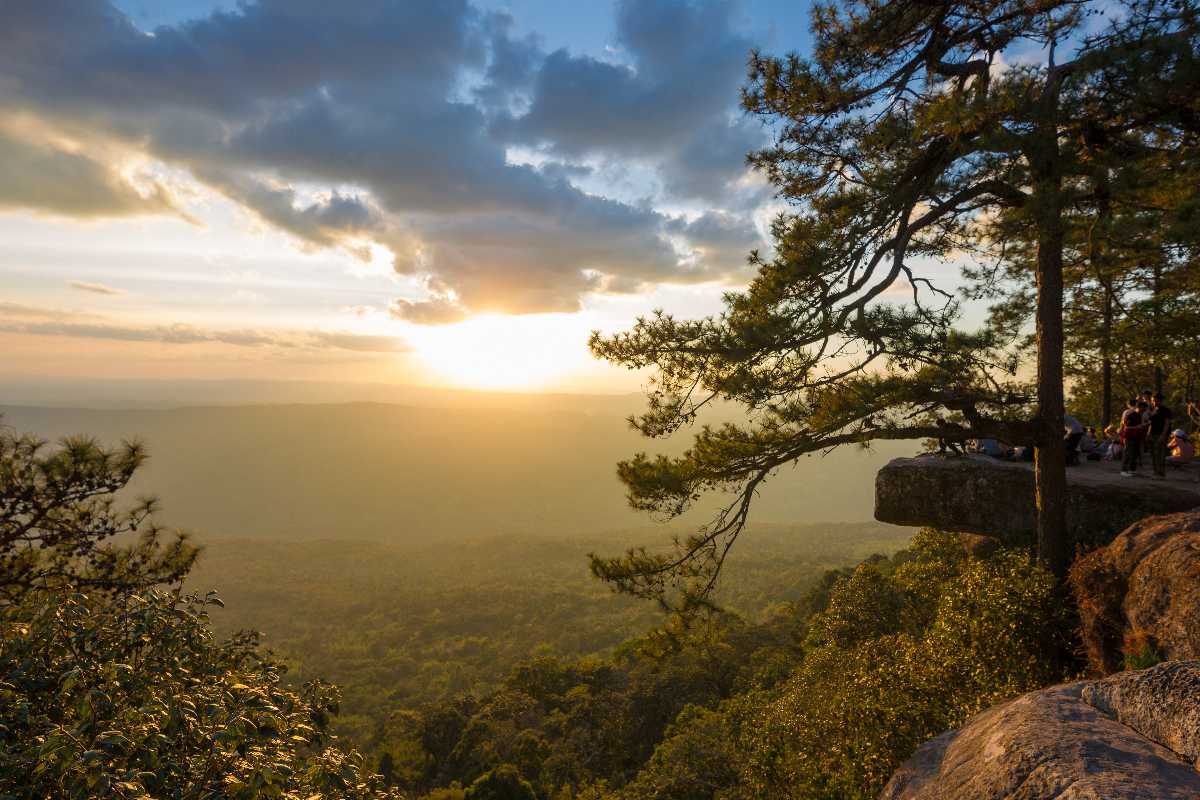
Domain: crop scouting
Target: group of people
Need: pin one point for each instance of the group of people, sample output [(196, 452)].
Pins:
[(1146, 426)]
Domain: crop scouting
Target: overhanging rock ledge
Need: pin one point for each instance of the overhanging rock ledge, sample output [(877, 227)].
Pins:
[(978, 494)]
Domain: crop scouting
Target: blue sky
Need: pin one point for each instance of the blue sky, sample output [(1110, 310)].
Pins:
[(431, 191)]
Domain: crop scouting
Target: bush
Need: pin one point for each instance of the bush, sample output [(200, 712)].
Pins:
[(952, 635), (132, 698)]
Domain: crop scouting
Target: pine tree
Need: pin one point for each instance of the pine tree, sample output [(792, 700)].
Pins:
[(905, 139), (61, 523)]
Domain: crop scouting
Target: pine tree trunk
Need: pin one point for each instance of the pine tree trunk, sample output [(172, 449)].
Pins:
[(1050, 460), (1050, 463), (1096, 251), (1155, 324), (1107, 401), (1106, 359)]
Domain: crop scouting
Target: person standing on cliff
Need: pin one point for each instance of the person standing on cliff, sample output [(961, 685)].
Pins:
[(1133, 431), (1160, 431)]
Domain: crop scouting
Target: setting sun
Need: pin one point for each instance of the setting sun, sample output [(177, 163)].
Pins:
[(503, 352)]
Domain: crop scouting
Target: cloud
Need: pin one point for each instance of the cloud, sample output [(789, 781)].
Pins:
[(95, 288), (20, 311), (39, 176), (358, 342), (438, 311), (711, 166), (33, 321), (687, 63), (673, 104), (719, 242), (391, 123), (334, 219)]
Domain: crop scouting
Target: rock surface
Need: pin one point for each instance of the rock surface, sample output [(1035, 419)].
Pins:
[(977, 494), (1055, 743), (1162, 704), (1141, 593)]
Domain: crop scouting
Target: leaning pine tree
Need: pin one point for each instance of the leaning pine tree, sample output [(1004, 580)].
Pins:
[(899, 142)]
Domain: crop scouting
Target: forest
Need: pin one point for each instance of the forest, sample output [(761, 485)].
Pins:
[(398, 627)]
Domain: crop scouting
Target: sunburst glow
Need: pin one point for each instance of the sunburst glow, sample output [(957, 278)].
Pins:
[(502, 352)]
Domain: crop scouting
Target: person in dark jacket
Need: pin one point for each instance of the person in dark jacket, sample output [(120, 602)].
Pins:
[(1158, 434), (1133, 433)]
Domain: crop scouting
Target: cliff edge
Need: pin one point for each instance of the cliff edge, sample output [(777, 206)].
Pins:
[(978, 494)]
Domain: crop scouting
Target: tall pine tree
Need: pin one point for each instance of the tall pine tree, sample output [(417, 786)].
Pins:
[(908, 134)]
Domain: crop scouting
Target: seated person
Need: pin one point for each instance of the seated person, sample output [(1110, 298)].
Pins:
[(1179, 450), (992, 447), (1088, 443), (1110, 448), (1072, 436)]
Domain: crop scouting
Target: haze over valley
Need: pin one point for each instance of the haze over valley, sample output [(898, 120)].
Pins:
[(448, 465)]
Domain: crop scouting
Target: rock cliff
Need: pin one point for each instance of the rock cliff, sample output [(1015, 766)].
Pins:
[(1140, 595), (977, 494), (1132, 736)]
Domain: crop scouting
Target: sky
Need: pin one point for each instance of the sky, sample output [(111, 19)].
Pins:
[(435, 192)]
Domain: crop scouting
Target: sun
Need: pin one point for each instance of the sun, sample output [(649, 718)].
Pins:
[(504, 352)]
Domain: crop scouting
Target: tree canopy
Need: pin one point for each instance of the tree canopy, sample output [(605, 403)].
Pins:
[(915, 137), (112, 685)]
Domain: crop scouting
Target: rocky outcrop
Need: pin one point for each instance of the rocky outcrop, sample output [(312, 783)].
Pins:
[(977, 494), (1126, 737), (1162, 704), (1140, 595)]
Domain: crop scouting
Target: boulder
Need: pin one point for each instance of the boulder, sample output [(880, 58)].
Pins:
[(978, 494), (1088, 740), (1140, 595), (1162, 704)]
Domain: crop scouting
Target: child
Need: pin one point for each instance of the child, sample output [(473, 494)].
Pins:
[(1181, 450)]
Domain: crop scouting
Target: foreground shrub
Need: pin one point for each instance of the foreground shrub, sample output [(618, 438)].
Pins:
[(960, 634), (901, 650), (132, 698)]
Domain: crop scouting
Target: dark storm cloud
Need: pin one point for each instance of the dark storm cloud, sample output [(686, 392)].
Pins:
[(402, 111), (235, 64)]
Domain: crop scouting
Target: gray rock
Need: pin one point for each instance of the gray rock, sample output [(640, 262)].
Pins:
[(977, 494), (1162, 704), (1054, 744), (1142, 593)]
